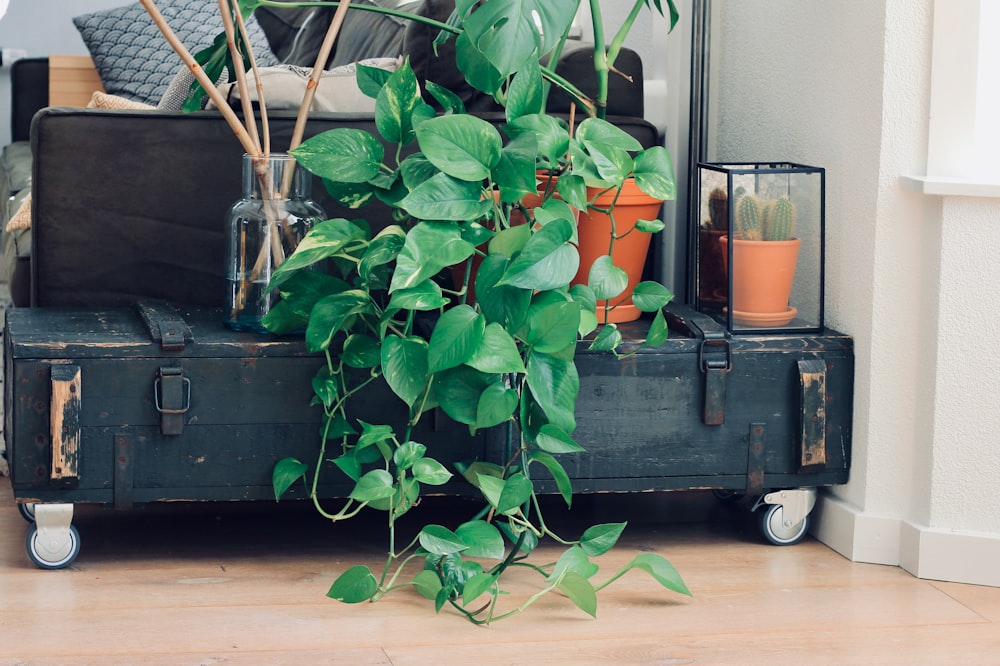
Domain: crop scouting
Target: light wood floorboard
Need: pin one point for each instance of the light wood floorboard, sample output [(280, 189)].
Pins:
[(246, 584)]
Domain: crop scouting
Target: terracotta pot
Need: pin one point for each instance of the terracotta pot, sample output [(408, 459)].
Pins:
[(763, 273), (628, 253)]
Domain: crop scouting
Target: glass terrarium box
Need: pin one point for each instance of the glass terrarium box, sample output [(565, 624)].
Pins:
[(758, 246)]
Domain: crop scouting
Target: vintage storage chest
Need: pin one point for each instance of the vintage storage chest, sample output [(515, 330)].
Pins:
[(127, 406)]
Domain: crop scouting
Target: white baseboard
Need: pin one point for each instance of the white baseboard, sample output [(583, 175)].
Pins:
[(934, 554), (858, 536), (957, 557)]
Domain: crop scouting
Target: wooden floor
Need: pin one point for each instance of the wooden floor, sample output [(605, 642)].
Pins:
[(246, 584)]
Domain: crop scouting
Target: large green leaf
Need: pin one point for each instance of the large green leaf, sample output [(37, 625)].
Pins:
[(331, 314), (658, 331), (427, 584), (456, 337), (553, 327), (649, 296), (355, 585), (496, 404), (654, 174), (514, 174), (286, 472), (374, 485), (426, 295), (440, 540), (458, 391), (606, 279), (517, 490), (555, 384), (383, 249), (507, 306), (579, 590), (547, 260), (659, 568), (553, 439), (478, 71), (462, 146), (598, 131), (371, 79), (497, 353), (524, 95), (550, 135), (558, 473), (573, 560), (431, 472), (407, 454), (482, 538), (404, 365), (344, 154), (323, 241), (429, 247), (510, 33), (444, 197), (361, 351), (599, 539), (395, 105), (608, 339), (478, 585)]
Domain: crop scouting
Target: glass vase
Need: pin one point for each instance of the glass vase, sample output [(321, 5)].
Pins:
[(262, 229)]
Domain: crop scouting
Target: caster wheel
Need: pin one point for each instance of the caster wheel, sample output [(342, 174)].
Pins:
[(57, 554), (773, 528), (27, 511), (727, 496)]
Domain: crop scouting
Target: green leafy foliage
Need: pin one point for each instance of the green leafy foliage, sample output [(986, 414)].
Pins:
[(387, 323)]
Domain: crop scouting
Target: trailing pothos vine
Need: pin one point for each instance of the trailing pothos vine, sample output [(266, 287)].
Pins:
[(379, 313), (503, 360)]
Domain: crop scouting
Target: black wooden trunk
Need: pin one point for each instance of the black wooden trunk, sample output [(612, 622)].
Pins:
[(121, 409)]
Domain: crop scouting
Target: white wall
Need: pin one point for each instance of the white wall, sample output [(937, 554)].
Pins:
[(41, 27), (845, 84)]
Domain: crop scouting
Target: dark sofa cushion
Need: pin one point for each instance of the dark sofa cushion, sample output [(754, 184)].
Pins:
[(144, 217), (296, 34)]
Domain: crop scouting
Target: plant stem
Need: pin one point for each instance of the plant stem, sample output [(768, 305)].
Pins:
[(226, 9), (317, 71), (230, 116)]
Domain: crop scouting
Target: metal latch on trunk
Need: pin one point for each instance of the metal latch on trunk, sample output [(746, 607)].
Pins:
[(172, 397), (715, 359)]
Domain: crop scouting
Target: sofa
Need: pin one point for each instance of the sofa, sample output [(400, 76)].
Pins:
[(129, 204)]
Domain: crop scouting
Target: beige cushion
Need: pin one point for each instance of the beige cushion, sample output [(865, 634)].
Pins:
[(21, 219), (102, 100), (284, 86)]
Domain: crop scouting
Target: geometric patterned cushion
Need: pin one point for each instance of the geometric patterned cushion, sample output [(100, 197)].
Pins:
[(135, 61)]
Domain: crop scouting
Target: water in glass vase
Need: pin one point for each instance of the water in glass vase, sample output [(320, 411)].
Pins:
[(262, 230)]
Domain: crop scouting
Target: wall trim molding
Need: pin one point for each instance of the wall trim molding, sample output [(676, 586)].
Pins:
[(925, 552)]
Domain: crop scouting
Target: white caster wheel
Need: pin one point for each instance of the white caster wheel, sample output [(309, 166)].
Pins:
[(56, 549), (777, 530), (27, 511)]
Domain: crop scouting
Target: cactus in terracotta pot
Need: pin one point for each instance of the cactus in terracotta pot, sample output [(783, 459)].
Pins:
[(779, 220), (749, 218), (757, 221)]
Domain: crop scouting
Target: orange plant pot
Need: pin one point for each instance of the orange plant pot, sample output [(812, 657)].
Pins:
[(762, 277), (629, 253)]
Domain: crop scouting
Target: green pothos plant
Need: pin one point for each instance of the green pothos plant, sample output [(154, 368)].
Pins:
[(504, 359)]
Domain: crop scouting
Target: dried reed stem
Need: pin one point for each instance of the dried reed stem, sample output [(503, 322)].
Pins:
[(231, 118)]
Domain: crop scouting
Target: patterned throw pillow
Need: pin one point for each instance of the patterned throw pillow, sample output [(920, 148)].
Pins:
[(135, 61)]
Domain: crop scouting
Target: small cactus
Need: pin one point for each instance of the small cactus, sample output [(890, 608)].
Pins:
[(749, 218), (718, 209), (779, 220)]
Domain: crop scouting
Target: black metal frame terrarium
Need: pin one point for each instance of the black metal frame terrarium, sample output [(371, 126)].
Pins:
[(758, 247)]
